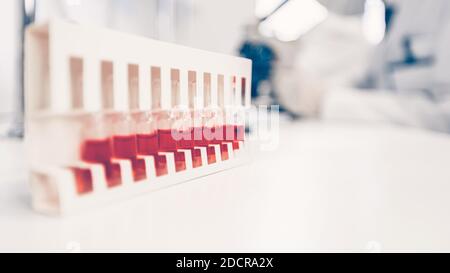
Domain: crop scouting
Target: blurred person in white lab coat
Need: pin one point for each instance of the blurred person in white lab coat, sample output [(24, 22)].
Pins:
[(404, 80)]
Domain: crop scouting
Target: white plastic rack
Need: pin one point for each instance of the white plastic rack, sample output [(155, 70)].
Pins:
[(111, 115)]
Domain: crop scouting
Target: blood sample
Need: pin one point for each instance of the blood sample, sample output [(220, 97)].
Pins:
[(224, 151), (124, 143), (113, 174), (139, 170), (96, 150), (99, 150), (166, 141), (186, 141), (197, 135), (180, 161), (146, 138), (196, 158), (211, 152), (210, 119), (124, 146), (83, 180), (173, 119), (147, 144), (160, 165)]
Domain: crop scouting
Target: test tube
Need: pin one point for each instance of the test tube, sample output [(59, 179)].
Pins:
[(181, 120), (211, 116), (96, 146), (157, 114), (237, 111), (146, 127), (171, 115), (240, 101), (196, 117), (221, 127)]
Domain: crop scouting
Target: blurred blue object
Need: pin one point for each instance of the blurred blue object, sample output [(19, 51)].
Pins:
[(262, 57)]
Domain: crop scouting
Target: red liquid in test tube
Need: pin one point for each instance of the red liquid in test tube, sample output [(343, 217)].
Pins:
[(201, 133), (113, 174), (147, 139), (167, 143), (147, 144), (196, 158), (83, 180), (187, 141), (125, 147), (224, 151), (99, 151), (160, 165)]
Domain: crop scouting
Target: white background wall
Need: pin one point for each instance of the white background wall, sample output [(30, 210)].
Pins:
[(217, 25), (207, 24)]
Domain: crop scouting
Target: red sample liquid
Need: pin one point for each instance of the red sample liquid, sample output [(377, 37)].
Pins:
[(126, 147), (180, 161), (187, 140), (139, 171), (160, 165), (96, 151), (211, 152), (147, 144), (201, 141), (166, 141), (235, 145), (231, 135), (113, 174), (196, 158), (99, 151), (218, 135), (196, 139), (83, 180), (224, 151)]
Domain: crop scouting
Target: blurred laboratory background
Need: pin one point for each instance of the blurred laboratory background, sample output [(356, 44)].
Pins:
[(359, 60)]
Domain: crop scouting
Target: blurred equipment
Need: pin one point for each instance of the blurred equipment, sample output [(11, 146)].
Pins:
[(28, 12), (262, 57), (313, 49), (261, 51), (398, 47), (410, 68)]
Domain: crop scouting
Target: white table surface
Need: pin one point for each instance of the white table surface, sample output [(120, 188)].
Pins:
[(328, 187)]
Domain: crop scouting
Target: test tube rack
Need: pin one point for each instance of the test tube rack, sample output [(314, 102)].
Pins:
[(84, 83)]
